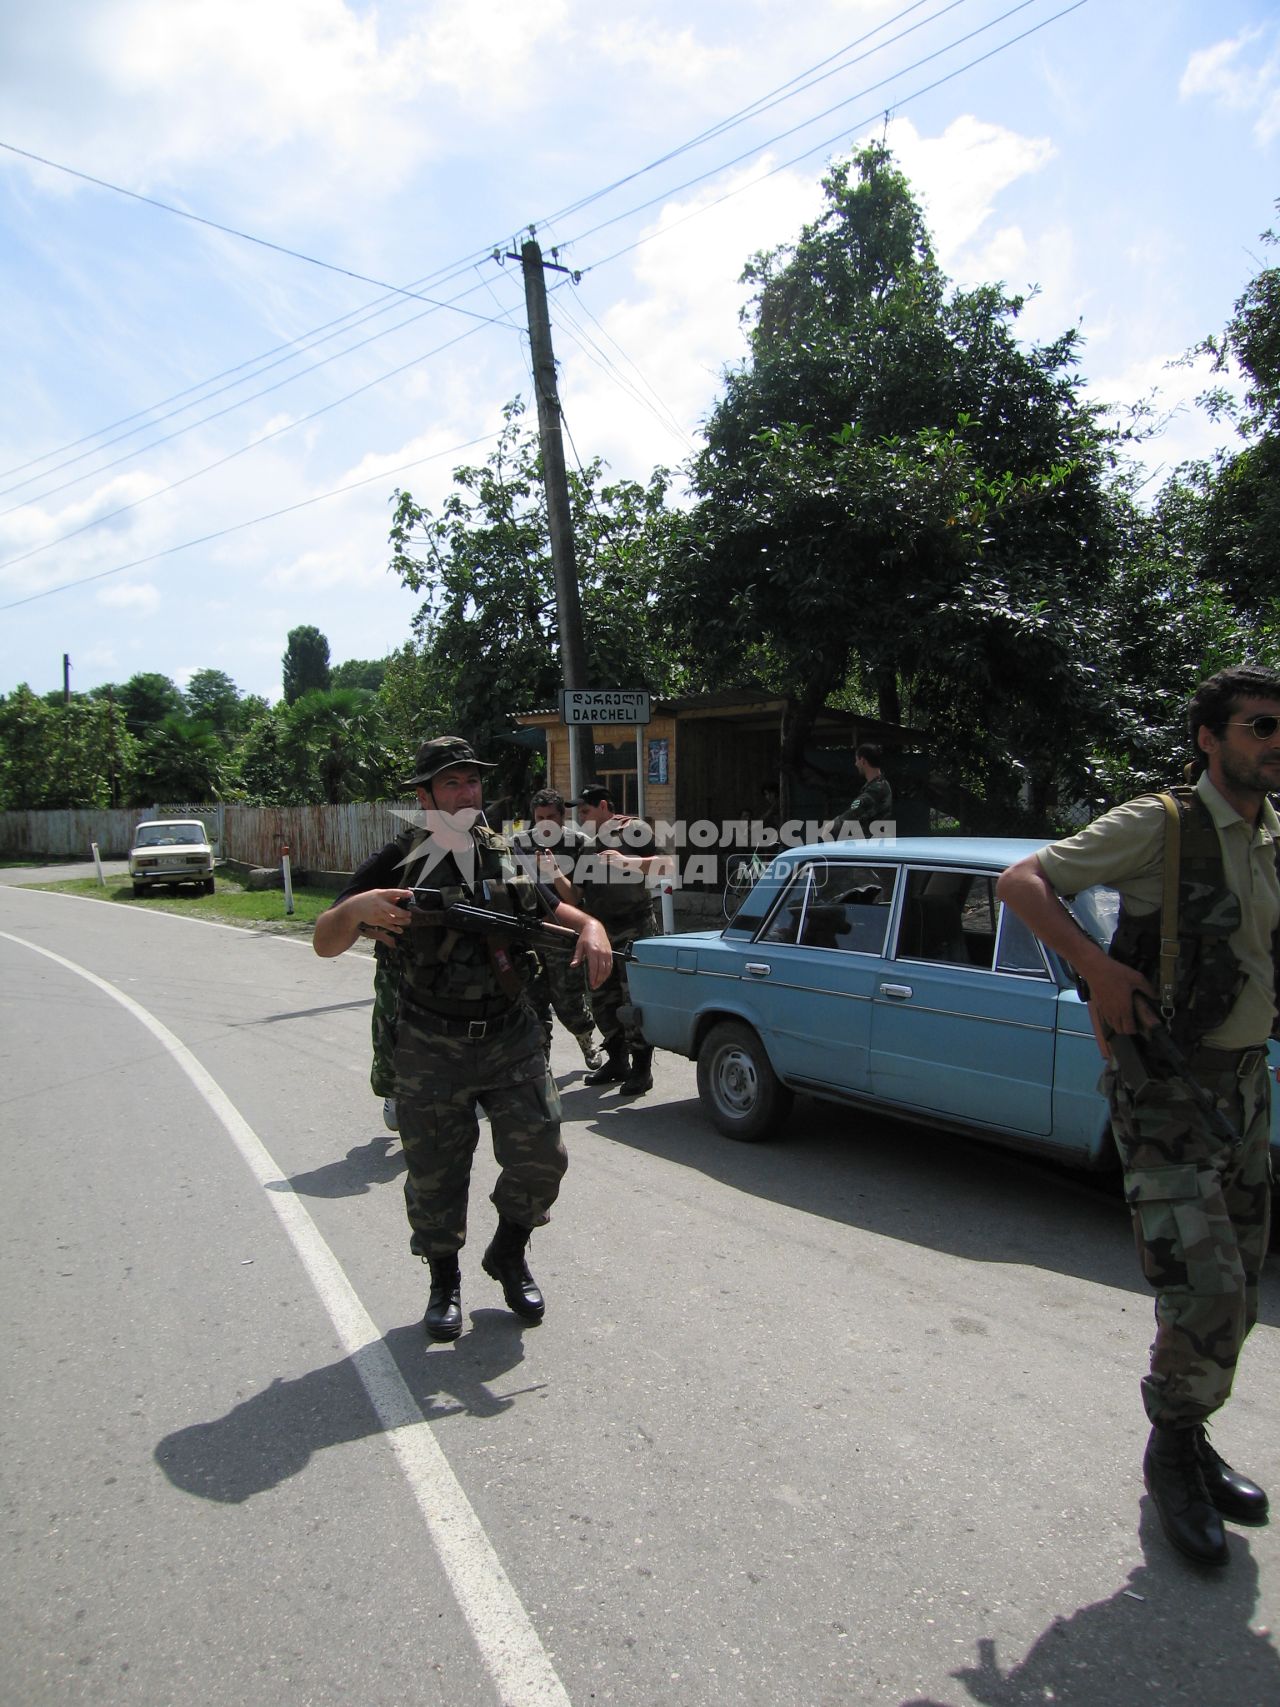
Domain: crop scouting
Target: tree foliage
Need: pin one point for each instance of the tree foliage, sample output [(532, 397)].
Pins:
[(899, 498), (305, 665), (488, 631)]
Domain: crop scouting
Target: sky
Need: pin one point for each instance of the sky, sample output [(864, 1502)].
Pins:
[(201, 435)]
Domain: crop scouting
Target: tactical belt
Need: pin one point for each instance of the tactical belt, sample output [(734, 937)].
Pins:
[(1241, 1062), (474, 1030)]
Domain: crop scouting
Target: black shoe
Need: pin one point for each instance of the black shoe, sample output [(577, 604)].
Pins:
[(615, 1069), (1171, 1470), (640, 1078), (504, 1262), (1230, 1493), (443, 1320)]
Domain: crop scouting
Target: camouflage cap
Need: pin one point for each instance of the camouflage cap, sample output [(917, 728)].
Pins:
[(439, 755)]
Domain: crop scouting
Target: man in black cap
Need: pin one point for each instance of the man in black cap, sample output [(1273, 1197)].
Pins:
[(466, 1034), (612, 886)]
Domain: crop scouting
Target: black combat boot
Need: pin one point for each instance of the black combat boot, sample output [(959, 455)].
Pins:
[(504, 1262), (640, 1078), (1171, 1469), (616, 1065), (443, 1320), (1230, 1493)]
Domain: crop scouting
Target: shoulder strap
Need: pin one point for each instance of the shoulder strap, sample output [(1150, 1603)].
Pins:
[(1168, 968)]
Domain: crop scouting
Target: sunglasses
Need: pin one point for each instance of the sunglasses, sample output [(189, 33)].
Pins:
[(1263, 727)]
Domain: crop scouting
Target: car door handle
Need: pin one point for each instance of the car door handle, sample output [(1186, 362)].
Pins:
[(757, 969), (899, 992)]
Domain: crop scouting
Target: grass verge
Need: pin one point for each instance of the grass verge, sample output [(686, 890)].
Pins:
[(230, 903)]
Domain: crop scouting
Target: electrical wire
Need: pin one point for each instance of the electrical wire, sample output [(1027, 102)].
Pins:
[(254, 521), (805, 154), (220, 462), (218, 414)]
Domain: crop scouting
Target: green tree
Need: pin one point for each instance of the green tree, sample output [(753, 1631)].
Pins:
[(488, 633), (901, 502), (335, 740), (265, 769), (179, 760), (359, 673), (26, 751), (1235, 525), (305, 663), (146, 699), (212, 697)]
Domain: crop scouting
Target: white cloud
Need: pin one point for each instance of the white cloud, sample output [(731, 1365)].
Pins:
[(140, 597), (1222, 73), (958, 175)]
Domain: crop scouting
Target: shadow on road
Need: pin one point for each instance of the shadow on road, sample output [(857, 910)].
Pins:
[(364, 1166), (935, 1189), (1173, 1632), (265, 1439)]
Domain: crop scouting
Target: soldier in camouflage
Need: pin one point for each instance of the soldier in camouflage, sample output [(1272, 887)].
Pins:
[(465, 1033), (613, 889), (557, 986), (1200, 1201)]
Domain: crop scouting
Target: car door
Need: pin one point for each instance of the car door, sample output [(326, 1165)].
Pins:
[(813, 967), (964, 1018)]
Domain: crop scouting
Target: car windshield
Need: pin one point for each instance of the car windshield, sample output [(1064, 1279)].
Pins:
[(167, 835)]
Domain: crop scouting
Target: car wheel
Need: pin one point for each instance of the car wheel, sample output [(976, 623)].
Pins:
[(139, 888), (208, 886), (739, 1089)]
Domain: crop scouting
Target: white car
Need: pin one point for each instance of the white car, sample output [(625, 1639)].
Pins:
[(171, 850)]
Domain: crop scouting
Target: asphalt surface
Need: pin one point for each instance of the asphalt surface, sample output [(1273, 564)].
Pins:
[(848, 1419)]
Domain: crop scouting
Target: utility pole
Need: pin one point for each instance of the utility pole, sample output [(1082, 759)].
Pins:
[(555, 480)]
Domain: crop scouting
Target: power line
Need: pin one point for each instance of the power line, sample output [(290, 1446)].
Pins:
[(217, 414), (807, 153), (781, 136), (255, 521), (288, 427), (227, 230)]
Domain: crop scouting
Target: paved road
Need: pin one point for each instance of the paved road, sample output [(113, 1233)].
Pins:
[(848, 1420)]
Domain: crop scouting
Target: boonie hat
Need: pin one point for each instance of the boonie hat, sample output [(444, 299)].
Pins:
[(440, 755), (591, 795)]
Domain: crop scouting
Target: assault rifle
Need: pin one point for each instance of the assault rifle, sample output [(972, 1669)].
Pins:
[(428, 908), (1154, 1048)]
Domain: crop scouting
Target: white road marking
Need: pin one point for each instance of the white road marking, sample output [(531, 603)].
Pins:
[(508, 1644)]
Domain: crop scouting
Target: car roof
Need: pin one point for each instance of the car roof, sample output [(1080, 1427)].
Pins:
[(994, 852), (154, 823)]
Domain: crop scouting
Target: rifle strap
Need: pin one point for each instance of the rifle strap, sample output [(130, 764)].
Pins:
[(1168, 967)]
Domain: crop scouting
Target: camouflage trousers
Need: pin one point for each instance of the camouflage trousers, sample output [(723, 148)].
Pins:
[(386, 1006), (558, 985), (441, 1079), (611, 1003), (1201, 1214)]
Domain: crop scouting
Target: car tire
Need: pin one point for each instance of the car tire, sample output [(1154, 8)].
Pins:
[(208, 886), (738, 1087), (139, 888)]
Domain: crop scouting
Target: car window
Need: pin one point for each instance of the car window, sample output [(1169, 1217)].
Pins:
[(1018, 950), (835, 904), (169, 835), (949, 916)]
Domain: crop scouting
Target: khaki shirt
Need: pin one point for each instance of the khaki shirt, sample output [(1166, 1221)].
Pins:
[(1125, 849)]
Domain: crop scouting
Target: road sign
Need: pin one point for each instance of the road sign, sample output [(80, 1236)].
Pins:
[(603, 705)]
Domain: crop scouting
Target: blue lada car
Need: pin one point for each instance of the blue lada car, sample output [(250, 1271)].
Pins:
[(886, 975)]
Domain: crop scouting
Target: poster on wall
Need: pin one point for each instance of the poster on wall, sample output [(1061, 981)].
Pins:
[(658, 750)]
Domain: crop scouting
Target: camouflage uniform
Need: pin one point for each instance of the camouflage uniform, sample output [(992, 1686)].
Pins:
[(386, 1006), (555, 984), (466, 1036), (1200, 1205), (625, 909)]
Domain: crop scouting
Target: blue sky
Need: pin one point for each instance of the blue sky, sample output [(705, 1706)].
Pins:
[(1121, 157)]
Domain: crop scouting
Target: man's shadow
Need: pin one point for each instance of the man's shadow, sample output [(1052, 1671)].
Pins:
[(1175, 1632), (273, 1435), (364, 1166)]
